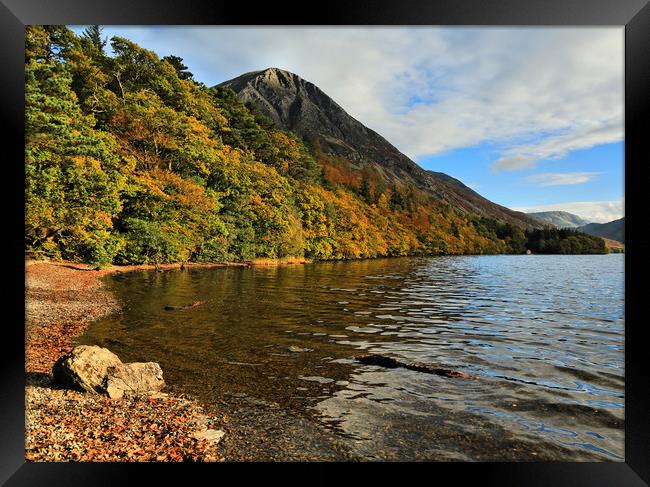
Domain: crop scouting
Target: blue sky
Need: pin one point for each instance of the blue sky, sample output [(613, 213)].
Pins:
[(592, 175), (531, 118)]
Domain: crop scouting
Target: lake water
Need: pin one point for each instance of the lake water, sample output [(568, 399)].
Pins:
[(543, 334)]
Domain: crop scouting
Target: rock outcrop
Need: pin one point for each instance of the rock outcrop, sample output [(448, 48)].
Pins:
[(95, 369)]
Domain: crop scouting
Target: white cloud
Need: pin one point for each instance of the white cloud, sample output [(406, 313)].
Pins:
[(535, 92), (555, 147), (561, 178), (592, 211), (513, 163)]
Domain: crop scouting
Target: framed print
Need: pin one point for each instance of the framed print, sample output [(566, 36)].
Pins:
[(410, 233)]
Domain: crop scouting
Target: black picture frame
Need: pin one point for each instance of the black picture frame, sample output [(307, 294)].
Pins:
[(633, 15)]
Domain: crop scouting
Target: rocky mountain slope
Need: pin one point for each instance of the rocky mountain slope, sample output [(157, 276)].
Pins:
[(561, 219), (301, 107)]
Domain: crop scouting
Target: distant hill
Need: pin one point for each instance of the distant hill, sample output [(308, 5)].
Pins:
[(614, 230), (561, 219)]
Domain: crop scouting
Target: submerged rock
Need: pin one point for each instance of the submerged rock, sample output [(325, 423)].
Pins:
[(296, 349), (380, 360), (392, 363), (84, 368), (95, 369), (176, 308)]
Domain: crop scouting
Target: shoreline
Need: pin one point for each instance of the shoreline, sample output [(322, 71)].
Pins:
[(62, 299)]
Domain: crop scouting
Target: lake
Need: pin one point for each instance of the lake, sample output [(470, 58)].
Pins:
[(273, 350)]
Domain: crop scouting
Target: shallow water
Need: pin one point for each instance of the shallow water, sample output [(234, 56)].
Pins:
[(544, 335)]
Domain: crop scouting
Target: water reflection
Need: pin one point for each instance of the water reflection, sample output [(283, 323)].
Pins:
[(543, 333)]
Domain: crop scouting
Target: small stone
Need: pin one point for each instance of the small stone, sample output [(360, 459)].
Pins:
[(159, 395), (295, 349), (213, 436)]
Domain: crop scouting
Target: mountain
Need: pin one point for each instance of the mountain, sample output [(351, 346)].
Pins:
[(299, 106), (561, 219), (614, 230)]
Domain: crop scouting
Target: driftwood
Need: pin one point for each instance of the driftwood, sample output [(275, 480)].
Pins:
[(391, 363), (177, 308)]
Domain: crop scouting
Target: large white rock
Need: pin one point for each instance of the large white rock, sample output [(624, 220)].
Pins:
[(85, 368), (95, 369)]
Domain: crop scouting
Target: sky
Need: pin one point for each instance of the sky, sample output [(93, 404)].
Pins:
[(530, 118)]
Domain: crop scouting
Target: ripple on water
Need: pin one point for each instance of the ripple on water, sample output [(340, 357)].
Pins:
[(543, 333)]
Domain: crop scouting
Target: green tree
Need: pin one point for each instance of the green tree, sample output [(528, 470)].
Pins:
[(74, 173), (93, 33), (181, 70)]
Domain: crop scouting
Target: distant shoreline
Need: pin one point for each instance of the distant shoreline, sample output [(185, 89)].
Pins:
[(612, 245)]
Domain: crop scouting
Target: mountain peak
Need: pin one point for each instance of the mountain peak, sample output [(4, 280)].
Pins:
[(300, 106), (273, 78), (295, 104), (275, 71), (273, 74)]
